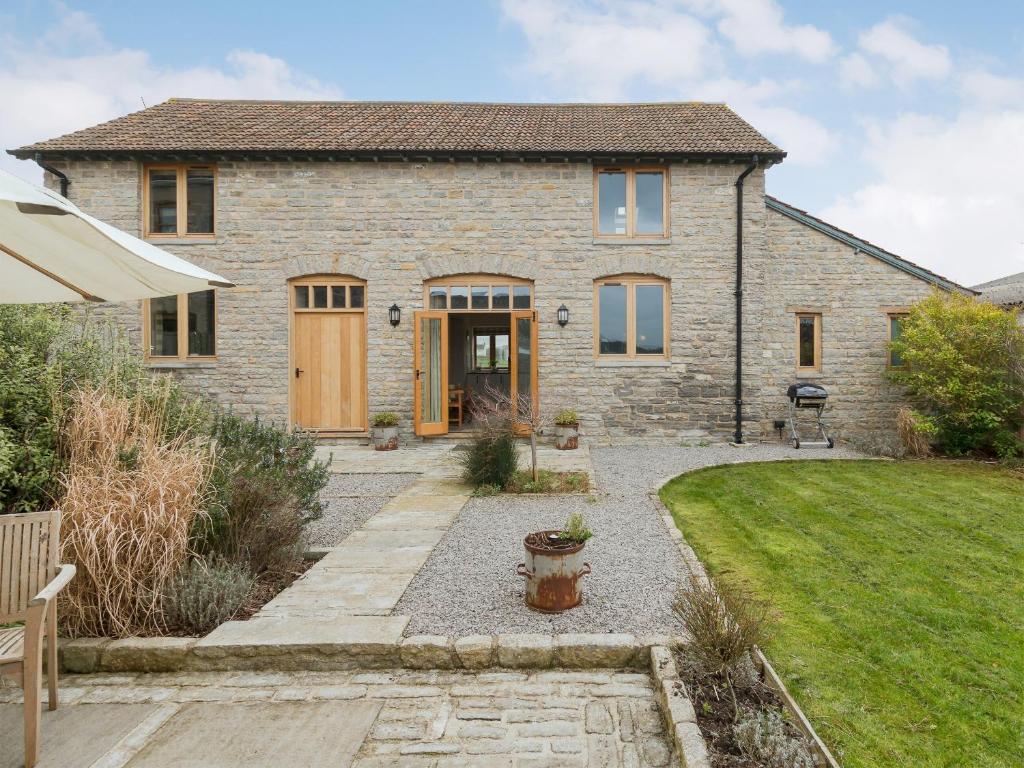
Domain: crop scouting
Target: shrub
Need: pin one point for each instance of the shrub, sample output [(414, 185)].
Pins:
[(963, 362), (762, 737), (490, 460), (567, 418), (576, 529), (548, 482), (131, 498), (203, 595), (385, 419), (265, 487)]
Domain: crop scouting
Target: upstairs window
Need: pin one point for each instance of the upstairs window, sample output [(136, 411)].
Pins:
[(631, 313), (893, 358), (178, 200), (181, 327), (630, 203), (808, 342)]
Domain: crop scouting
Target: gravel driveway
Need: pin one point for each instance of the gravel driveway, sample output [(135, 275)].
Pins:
[(469, 586)]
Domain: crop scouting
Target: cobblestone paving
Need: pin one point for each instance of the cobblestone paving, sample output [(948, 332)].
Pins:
[(426, 719)]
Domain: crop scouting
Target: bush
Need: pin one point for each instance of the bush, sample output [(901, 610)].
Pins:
[(385, 419), (203, 595), (265, 487), (963, 362), (762, 737), (490, 460), (567, 418)]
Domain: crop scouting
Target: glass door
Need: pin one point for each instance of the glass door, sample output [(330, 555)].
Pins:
[(523, 363), (430, 385)]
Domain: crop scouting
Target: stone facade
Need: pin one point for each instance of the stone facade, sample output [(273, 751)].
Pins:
[(396, 225)]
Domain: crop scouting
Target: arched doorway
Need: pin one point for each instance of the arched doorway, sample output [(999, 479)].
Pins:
[(328, 353), (474, 332)]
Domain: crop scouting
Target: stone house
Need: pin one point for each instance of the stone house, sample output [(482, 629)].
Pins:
[(405, 256)]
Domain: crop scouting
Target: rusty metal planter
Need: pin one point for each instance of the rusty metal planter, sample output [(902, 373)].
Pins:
[(385, 438), (567, 437), (552, 573)]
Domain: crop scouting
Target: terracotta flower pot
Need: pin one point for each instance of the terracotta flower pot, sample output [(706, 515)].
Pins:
[(552, 571), (385, 438), (567, 437)]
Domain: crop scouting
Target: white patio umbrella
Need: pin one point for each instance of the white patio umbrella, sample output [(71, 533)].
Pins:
[(50, 251)]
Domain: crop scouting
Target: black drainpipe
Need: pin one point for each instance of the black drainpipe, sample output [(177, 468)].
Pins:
[(738, 437), (65, 182)]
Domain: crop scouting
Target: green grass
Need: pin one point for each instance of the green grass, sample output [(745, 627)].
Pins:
[(898, 589)]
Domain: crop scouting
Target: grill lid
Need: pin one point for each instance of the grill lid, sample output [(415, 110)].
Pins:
[(804, 391)]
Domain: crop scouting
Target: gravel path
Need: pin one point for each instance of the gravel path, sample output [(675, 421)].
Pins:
[(469, 586), (351, 501)]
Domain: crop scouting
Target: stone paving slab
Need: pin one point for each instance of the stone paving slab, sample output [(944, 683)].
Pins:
[(319, 631)]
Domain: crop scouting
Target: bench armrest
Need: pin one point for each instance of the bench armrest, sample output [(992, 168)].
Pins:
[(64, 574)]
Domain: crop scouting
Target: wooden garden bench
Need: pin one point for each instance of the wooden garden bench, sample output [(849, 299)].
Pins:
[(29, 582)]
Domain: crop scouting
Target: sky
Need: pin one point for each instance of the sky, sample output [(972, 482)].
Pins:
[(904, 121)]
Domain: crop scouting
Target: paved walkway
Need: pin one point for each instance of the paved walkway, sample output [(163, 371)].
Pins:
[(368, 720)]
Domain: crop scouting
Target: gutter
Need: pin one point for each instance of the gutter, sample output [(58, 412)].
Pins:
[(65, 182), (738, 435)]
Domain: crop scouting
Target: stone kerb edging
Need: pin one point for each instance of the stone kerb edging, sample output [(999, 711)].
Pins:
[(677, 709), (513, 651)]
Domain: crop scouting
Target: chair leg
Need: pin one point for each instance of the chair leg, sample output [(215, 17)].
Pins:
[(51, 654), (33, 707)]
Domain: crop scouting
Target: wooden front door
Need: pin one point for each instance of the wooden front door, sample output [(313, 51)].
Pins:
[(430, 373), (328, 355)]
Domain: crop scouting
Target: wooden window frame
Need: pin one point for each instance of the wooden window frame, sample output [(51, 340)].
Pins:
[(631, 233), (890, 315), (492, 332), (181, 201), (631, 282), (471, 281), (328, 282), (183, 356), (816, 368)]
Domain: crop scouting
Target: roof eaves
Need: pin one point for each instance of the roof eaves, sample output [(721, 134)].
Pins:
[(863, 245)]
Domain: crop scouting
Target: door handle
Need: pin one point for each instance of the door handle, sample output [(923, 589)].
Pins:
[(417, 374), (298, 371)]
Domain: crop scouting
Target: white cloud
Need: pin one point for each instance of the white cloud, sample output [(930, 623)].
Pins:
[(985, 89), (947, 193), (856, 71), (48, 92), (904, 57), (758, 26)]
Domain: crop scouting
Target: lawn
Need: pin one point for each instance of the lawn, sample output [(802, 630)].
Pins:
[(899, 594)]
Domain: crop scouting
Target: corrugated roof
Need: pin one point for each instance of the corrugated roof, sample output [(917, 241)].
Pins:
[(214, 126), (1005, 291)]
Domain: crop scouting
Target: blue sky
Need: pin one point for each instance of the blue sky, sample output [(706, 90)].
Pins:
[(904, 120)]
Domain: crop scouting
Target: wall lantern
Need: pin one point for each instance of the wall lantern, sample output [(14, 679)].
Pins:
[(395, 315), (563, 315)]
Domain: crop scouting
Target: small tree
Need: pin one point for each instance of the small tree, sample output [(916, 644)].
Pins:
[(962, 364), (495, 409)]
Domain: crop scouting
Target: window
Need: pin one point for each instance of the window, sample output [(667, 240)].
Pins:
[(630, 202), (181, 327), (631, 317), (478, 293), (490, 349), (893, 358), (178, 200), (328, 294), (808, 343)]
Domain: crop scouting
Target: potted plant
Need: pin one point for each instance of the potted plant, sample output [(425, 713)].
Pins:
[(567, 430), (554, 565), (385, 431)]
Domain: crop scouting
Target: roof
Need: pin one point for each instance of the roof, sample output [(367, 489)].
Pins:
[(1006, 291), (194, 126), (864, 246)]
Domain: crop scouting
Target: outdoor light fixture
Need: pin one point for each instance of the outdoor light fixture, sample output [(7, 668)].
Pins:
[(563, 315), (395, 315)]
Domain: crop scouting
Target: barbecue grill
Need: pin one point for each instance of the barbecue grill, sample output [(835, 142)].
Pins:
[(811, 397)]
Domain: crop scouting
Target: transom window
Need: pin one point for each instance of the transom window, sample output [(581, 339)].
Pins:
[(181, 327), (631, 317), (630, 202), (808, 342), (490, 349), (893, 358), (478, 293), (179, 200), (328, 294)]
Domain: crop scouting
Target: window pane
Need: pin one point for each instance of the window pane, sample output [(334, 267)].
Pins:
[(482, 350), (807, 342), (524, 356), (650, 209), (611, 322), (501, 346), (895, 359), (521, 297), (439, 297), (163, 201), (499, 297), (460, 297), (199, 198), (201, 321), (163, 326), (338, 296), (358, 295), (301, 296), (480, 297), (320, 296), (650, 320), (611, 197)]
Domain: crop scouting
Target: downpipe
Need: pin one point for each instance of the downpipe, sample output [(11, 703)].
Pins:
[(65, 182), (738, 435)]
